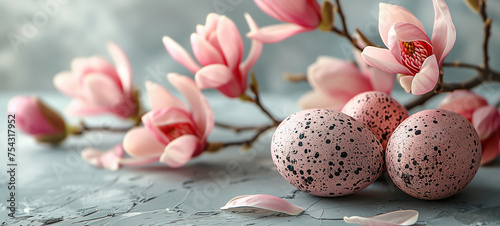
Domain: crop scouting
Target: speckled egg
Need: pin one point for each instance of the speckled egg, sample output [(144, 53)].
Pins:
[(326, 153), (433, 154), (377, 110)]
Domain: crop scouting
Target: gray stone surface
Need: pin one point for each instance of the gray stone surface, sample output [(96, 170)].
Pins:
[(55, 187)]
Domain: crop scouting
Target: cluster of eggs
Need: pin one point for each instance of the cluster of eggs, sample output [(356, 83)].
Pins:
[(431, 154)]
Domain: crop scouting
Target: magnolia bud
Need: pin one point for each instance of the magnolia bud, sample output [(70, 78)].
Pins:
[(35, 118)]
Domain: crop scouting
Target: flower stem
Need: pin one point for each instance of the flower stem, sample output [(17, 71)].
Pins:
[(83, 127)]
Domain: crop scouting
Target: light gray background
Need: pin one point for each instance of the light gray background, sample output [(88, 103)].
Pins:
[(81, 28)]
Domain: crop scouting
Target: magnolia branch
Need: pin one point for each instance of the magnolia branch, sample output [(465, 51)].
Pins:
[(83, 127)]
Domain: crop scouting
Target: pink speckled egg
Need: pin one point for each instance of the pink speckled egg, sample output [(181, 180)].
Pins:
[(326, 153), (433, 154), (377, 110)]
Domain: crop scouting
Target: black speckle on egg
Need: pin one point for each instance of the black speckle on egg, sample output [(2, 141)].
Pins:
[(315, 149), (435, 160)]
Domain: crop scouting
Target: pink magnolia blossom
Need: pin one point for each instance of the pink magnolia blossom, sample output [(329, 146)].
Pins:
[(98, 87), (299, 16), (35, 118), (485, 118), (410, 52), (336, 81), (218, 47), (173, 134)]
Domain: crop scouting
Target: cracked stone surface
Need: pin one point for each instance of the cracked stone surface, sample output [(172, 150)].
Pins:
[(56, 188)]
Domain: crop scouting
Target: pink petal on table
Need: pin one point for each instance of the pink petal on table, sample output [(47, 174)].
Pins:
[(443, 32), (230, 41), (486, 120), (122, 65), (400, 217), (205, 52), (426, 79), (107, 160), (180, 54), (67, 84), (317, 99), (160, 98), (178, 152), (262, 201), (200, 109), (383, 60), (277, 33), (255, 50), (139, 142), (391, 14), (491, 147)]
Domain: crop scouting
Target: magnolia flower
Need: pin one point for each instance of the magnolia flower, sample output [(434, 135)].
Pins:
[(335, 82), (410, 52), (299, 16), (173, 134), (35, 118), (218, 47), (485, 118), (98, 87)]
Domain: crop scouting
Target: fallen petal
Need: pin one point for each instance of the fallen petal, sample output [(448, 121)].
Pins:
[(261, 201), (400, 217), (108, 160)]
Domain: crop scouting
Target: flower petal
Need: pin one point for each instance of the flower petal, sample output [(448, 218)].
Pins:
[(122, 67), (486, 120), (204, 52), (382, 81), (330, 75), (406, 81), (67, 84), (214, 76), (383, 60), (107, 160), (443, 32), (102, 91), (164, 117), (200, 109), (400, 217), (304, 13), (463, 102), (82, 67), (426, 79), (230, 41), (261, 201), (490, 147), (180, 54), (139, 142), (254, 53), (81, 107), (317, 99), (160, 98), (391, 14), (277, 33), (178, 152)]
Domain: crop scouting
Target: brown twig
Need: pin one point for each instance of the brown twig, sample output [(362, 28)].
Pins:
[(238, 129), (345, 31), (85, 128), (248, 143), (295, 77), (487, 33)]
